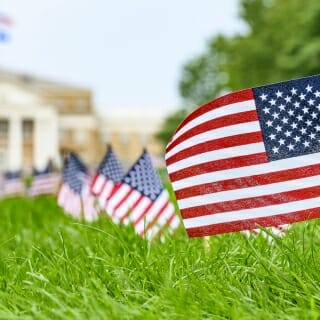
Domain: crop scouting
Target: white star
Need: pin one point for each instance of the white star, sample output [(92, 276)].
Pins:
[(269, 123), (275, 115), (309, 123), (311, 102), (302, 96), (303, 130), (296, 138), (309, 88), (288, 99), (291, 112), (317, 128), (266, 110), (275, 150), (272, 102), (264, 97), (284, 120), (317, 94), (290, 146), (293, 91), (281, 107), (281, 142), (312, 136), (299, 117), (279, 94), (314, 115), (305, 110), (294, 125), (318, 107), (296, 104), (278, 128), (306, 144), (272, 136), (288, 133)]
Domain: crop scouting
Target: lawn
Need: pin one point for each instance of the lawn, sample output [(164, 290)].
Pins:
[(54, 267)]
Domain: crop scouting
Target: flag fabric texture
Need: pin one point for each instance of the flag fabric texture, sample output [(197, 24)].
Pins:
[(109, 173), (12, 184), (248, 159), (74, 196), (141, 199), (44, 182)]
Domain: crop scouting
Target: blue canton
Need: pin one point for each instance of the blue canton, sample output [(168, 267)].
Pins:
[(289, 115), (111, 167), (74, 173), (143, 177)]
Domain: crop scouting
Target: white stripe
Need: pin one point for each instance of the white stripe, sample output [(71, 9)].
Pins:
[(234, 173), (220, 154), (119, 195), (125, 207), (227, 131), (254, 213), (250, 192), (222, 111), (139, 209), (105, 193), (98, 184)]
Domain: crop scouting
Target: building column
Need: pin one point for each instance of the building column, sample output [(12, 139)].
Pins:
[(46, 143), (14, 143)]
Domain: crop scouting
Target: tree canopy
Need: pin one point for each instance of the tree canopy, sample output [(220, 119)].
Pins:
[(281, 42)]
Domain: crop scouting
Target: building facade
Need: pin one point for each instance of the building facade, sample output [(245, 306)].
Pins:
[(42, 121)]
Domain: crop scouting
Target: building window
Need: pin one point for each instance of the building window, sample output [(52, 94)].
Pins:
[(80, 137), (27, 129), (4, 128)]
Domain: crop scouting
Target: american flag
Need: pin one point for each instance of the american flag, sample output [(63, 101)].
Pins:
[(141, 199), (74, 194), (12, 184), (44, 182), (5, 24), (248, 159), (110, 171)]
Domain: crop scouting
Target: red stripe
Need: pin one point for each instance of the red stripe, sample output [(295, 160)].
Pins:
[(224, 121), (233, 141), (123, 199), (143, 213), (165, 226), (155, 219), (245, 182), (234, 97), (217, 165), (249, 203), (240, 225)]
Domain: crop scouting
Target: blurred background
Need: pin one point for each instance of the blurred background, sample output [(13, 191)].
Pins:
[(79, 75)]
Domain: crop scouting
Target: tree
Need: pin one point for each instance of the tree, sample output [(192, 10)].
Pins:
[(282, 42)]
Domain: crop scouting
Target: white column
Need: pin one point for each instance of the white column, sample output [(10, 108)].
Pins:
[(46, 139), (15, 142)]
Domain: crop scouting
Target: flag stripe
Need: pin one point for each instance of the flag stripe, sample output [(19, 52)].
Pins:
[(291, 217), (215, 134), (232, 98), (220, 154), (213, 124), (251, 202), (244, 182), (256, 191), (236, 162)]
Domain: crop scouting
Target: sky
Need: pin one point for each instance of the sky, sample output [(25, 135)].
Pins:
[(129, 52)]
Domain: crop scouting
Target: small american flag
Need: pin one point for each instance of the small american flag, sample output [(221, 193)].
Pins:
[(12, 184), (5, 24), (44, 182), (74, 195), (110, 171), (248, 159), (141, 199)]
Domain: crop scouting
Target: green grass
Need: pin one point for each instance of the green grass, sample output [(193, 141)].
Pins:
[(53, 267)]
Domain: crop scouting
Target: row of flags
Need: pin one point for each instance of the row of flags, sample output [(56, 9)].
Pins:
[(137, 196)]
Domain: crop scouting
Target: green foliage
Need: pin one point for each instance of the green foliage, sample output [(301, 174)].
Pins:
[(53, 267), (281, 42)]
